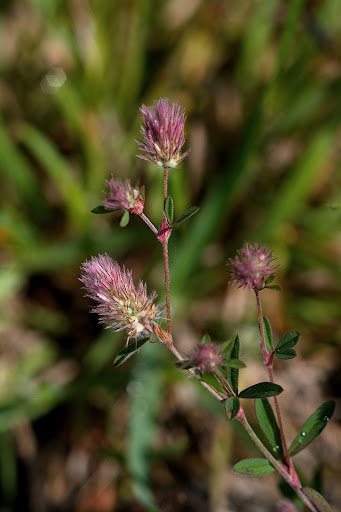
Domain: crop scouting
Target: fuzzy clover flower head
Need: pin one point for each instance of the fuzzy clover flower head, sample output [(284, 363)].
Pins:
[(204, 358), (120, 304), (252, 267), (163, 133), (122, 196)]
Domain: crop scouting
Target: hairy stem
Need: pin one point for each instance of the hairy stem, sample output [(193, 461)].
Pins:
[(166, 266), (268, 360), (148, 222), (165, 255)]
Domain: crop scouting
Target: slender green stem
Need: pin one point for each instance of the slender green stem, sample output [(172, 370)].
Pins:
[(268, 360)]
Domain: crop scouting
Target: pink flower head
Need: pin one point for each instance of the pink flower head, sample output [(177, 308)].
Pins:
[(203, 358), (163, 132), (251, 267), (122, 196), (120, 304)]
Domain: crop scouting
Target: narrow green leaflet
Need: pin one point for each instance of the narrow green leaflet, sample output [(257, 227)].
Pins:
[(261, 390), (274, 287), (206, 339), (232, 405), (100, 210), (125, 219), (169, 209), (268, 423), (285, 344), (312, 427), (257, 467), (267, 333), (187, 214), (128, 351), (318, 500), (227, 346), (233, 363), (270, 279), (233, 373)]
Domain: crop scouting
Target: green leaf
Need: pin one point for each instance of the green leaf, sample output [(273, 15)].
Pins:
[(257, 467), (233, 373), (261, 390), (169, 209), (270, 279), (206, 339), (268, 423), (274, 287), (100, 210), (233, 363), (128, 351), (187, 214), (285, 344), (232, 406), (124, 219), (286, 354), (317, 499), (267, 333), (289, 340), (227, 346), (312, 427)]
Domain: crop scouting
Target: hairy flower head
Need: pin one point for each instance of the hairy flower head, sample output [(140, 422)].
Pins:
[(163, 133), (122, 196), (252, 266), (120, 304)]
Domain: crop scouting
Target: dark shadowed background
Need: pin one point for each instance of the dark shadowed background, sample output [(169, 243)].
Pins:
[(260, 82)]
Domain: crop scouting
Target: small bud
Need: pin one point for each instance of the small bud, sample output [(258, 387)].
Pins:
[(252, 267), (165, 230), (203, 358), (122, 196), (163, 133)]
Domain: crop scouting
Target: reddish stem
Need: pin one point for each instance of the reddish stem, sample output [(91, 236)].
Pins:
[(268, 360)]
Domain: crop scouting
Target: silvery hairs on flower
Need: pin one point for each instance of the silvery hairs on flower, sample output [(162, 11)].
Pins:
[(163, 133)]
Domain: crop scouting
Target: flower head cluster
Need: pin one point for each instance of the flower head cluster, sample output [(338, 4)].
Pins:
[(120, 304), (204, 358), (122, 196), (163, 133), (252, 267)]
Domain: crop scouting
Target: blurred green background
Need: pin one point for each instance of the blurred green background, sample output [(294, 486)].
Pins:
[(260, 82)]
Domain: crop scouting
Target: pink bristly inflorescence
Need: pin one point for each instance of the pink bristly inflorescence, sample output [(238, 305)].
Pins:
[(251, 267), (122, 196), (163, 133), (120, 304)]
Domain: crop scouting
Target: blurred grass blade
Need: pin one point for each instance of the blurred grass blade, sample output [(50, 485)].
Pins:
[(146, 390), (60, 172), (290, 30), (290, 198)]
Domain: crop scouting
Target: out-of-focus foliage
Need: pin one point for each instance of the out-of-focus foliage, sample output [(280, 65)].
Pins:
[(260, 83)]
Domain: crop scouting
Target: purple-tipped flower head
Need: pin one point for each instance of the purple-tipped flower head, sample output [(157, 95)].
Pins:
[(163, 133), (204, 358), (252, 267), (120, 304), (122, 196)]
